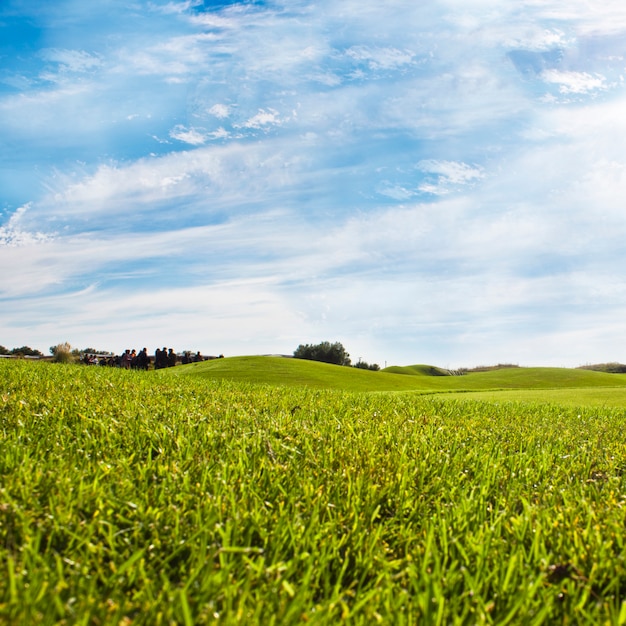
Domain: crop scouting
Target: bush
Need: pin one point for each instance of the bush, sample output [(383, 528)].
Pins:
[(62, 353)]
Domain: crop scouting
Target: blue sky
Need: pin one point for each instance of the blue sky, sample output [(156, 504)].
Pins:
[(440, 182)]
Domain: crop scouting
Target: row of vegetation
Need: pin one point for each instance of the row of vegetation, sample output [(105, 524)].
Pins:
[(159, 498), (22, 351), (610, 368), (325, 352), (62, 352)]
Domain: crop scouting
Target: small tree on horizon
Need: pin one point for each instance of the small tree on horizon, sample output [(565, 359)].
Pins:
[(325, 352)]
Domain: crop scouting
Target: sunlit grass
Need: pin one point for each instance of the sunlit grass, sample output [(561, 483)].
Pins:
[(298, 373), (610, 397), (129, 497)]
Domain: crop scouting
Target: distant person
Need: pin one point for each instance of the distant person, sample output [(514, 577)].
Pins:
[(198, 357), (171, 358), (126, 359), (160, 358), (142, 359)]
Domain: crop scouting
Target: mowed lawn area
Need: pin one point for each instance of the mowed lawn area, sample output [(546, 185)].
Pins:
[(255, 494)]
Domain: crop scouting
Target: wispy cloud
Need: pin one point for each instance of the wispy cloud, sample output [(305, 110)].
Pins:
[(13, 235), (448, 175), (72, 61)]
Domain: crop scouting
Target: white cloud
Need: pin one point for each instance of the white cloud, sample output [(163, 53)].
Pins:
[(176, 7), (221, 111), (381, 58), (587, 18), (263, 118), (191, 136), (451, 175), (397, 192), (451, 171), (575, 82), (540, 39), (78, 61), (215, 20)]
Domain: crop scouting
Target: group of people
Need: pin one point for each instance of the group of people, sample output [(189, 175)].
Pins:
[(164, 358), (131, 359)]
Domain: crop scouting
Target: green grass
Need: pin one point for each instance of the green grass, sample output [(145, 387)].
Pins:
[(275, 370), (417, 370), (609, 397), (282, 371), (141, 498)]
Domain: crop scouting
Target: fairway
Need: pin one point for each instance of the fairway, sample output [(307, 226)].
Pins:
[(134, 497)]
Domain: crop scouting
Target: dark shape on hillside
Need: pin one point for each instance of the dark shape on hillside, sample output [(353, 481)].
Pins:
[(324, 352), (608, 368), (364, 365), (488, 368)]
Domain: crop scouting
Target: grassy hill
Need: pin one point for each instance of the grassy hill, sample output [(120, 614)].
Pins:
[(275, 370), (417, 370)]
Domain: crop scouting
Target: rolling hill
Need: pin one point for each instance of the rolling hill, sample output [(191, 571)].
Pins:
[(277, 370)]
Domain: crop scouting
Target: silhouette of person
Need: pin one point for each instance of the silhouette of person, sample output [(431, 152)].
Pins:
[(126, 359), (171, 358)]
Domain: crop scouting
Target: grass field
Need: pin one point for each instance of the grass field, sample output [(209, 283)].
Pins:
[(166, 498), (297, 373), (583, 397)]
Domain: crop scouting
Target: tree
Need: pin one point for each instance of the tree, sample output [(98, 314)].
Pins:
[(325, 352), (90, 351), (25, 351), (4, 350), (364, 365)]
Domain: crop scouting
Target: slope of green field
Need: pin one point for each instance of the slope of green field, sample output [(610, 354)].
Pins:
[(297, 372), (137, 498), (541, 378), (601, 397), (276, 370), (416, 370)]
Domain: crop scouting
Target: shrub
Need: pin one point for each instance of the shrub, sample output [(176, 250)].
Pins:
[(62, 353)]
